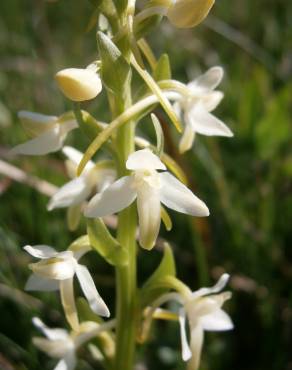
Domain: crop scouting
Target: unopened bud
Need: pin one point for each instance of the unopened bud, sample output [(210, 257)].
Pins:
[(79, 84), (188, 13)]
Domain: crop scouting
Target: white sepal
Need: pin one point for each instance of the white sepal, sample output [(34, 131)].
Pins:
[(67, 363), (48, 142), (36, 123), (207, 81), (116, 197), (72, 193), (177, 196), (205, 123), (217, 321), (41, 251), (38, 283)]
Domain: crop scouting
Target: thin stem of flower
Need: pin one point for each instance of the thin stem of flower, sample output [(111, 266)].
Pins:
[(126, 236)]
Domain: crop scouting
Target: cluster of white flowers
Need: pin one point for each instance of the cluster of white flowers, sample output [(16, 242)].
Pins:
[(100, 191)]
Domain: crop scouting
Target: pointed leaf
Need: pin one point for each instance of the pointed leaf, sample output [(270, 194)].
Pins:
[(151, 290), (105, 244), (112, 60), (162, 69)]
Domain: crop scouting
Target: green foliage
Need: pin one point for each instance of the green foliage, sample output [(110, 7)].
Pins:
[(162, 69), (112, 60), (104, 243), (154, 287)]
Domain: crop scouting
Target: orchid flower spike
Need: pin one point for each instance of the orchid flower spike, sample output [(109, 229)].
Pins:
[(203, 311), (63, 345), (79, 84), (56, 270), (48, 132), (75, 192), (196, 106), (150, 188)]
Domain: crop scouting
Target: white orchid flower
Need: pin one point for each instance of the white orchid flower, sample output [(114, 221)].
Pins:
[(77, 191), (61, 344), (196, 106), (202, 309), (56, 271), (49, 133), (150, 188)]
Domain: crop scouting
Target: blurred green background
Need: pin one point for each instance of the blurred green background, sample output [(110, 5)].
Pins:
[(246, 181)]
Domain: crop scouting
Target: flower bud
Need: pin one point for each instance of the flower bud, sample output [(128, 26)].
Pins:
[(79, 84), (188, 13)]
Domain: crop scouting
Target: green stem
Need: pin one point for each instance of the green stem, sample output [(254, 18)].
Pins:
[(126, 235)]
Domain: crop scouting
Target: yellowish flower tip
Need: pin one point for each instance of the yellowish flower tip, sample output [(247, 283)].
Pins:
[(189, 13), (79, 84)]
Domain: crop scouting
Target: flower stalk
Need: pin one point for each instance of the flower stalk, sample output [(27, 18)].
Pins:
[(126, 235)]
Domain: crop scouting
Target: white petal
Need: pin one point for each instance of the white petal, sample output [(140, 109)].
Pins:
[(72, 193), (197, 336), (106, 178), (67, 363), (52, 334), (36, 123), (208, 81), (216, 321), (75, 156), (68, 303), (95, 301), (186, 351), (48, 142), (38, 283), (116, 197), (149, 212), (41, 251), (205, 123), (187, 139), (177, 196), (211, 101), (67, 126), (144, 159), (55, 268), (221, 283), (56, 348)]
